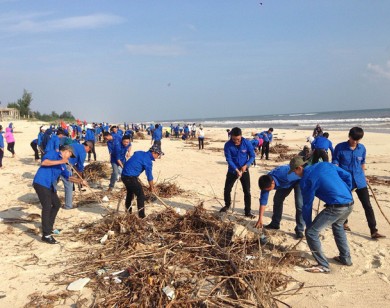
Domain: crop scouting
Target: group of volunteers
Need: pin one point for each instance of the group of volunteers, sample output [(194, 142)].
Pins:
[(331, 182), (310, 174)]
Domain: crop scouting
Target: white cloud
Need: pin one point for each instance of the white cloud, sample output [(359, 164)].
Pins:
[(33, 23), (381, 71), (154, 50)]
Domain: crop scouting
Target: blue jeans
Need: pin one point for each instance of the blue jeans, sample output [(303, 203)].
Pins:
[(335, 216), (114, 175), (68, 188), (280, 195)]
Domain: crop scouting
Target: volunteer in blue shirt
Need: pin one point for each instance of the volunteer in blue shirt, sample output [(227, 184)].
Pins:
[(34, 146), (332, 185), (80, 153), (90, 136), (114, 149), (1, 146), (125, 150), (351, 156), (41, 133), (239, 155), (283, 182), (44, 183), (157, 135), (139, 162), (320, 147), (55, 141), (267, 137)]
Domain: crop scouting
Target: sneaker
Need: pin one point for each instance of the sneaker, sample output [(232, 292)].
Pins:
[(299, 234), (224, 209), (49, 239), (250, 215), (270, 226), (377, 235)]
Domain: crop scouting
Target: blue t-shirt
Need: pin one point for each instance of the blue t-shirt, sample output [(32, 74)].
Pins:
[(282, 180), (238, 156), (47, 175), (80, 154), (351, 161), (139, 162), (328, 183), (322, 143)]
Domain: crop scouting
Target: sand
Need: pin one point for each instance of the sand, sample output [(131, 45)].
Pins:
[(28, 264)]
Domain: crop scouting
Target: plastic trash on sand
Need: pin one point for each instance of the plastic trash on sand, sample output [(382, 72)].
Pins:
[(78, 285), (104, 239), (105, 199), (169, 292)]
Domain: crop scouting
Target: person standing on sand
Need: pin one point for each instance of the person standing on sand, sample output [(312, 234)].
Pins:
[(351, 156), (157, 135), (201, 138), (9, 137), (267, 139), (1, 146), (114, 149), (239, 155), (332, 185), (139, 162), (45, 182), (320, 147), (80, 153)]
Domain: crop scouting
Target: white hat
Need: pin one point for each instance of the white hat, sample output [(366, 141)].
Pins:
[(89, 126)]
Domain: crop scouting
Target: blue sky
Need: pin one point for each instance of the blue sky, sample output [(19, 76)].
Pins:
[(153, 60)]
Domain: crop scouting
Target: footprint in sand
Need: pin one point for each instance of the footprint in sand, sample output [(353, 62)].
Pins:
[(375, 263), (384, 277)]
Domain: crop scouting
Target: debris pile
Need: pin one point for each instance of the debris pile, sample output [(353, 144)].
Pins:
[(279, 148), (139, 135), (96, 171), (378, 180), (182, 261)]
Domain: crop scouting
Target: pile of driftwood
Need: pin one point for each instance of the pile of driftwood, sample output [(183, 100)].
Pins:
[(284, 156), (279, 148), (139, 135), (96, 171), (168, 260)]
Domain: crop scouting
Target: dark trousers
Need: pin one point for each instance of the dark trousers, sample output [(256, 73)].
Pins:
[(265, 149), (157, 143), (134, 187), (246, 187), (35, 148), (50, 207), (92, 151), (320, 153), (279, 197), (1, 157), (201, 143), (10, 147), (364, 198)]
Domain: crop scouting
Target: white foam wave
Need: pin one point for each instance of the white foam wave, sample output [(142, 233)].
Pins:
[(300, 122)]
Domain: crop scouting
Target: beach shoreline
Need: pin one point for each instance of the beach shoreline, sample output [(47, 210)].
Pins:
[(28, 264)]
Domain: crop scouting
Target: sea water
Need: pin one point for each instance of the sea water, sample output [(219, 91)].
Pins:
[(374, 120)]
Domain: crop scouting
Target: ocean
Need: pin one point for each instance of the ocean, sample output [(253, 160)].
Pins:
[(373, 120)]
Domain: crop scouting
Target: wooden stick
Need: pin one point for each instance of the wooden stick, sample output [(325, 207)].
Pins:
[(377, 203), (234, 197), (96, 196), (162, 201)]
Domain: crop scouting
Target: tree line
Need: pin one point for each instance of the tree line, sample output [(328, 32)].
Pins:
[(23, 105)]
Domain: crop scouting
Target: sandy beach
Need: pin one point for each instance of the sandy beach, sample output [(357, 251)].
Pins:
[(28, 264)]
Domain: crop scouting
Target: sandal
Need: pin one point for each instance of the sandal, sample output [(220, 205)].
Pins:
[(347, 228), (318, 269), (377, 235), (338, 259)]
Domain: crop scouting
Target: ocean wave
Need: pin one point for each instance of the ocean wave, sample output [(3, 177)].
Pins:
[(300, 122)]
